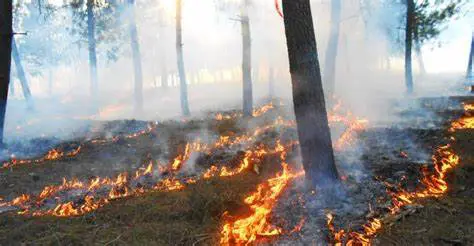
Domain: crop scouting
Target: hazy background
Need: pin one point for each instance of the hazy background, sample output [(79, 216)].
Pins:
[(368, 71)]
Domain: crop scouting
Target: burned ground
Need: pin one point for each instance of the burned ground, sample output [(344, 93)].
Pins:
[(195, 215)]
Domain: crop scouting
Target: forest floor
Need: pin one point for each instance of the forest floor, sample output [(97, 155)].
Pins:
[(194, 215)]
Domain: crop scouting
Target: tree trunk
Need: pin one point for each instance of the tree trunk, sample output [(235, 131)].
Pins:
[(92, 51), (246, 61), (179, 51), (419, 56), (408, 45), (21, 75), (271, 83), (5, 59), (469, 75), (137, 60), (331, 50), (308, 95)]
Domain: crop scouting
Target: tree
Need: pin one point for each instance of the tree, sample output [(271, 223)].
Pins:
[(21, 75), (331, 50), (91, 41), (409, 30), (137, 63), (469, 75), (424, 21), (246, 60), (5, 58), (179, 51), (308, 96), (98, 23)]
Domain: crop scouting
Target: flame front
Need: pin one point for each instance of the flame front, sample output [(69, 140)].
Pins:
[(246, 230), (434, 184)]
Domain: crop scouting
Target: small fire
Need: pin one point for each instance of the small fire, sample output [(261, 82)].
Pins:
[(262, 110), (248, 229), (56, 154), (434, 185)]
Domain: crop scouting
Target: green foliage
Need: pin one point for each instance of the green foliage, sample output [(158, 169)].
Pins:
[(109, 29), (431, 17)]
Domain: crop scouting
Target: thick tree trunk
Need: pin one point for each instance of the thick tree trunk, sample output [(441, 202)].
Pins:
[(308, 96), (5, 59), (469, 75), (92, 51), (179, 51), (137, 60), (21, 75), (410, 16), (419, 56), (331, 50), (246, 61)]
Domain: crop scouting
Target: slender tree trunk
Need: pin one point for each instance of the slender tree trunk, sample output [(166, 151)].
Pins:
[(419, 56), (137, 60), (308, 95), (271, 83), (179, 51), (410, 15), (92, 51), (21, 75), (5, 59), (246, 61), (469, 75), (331, 50)]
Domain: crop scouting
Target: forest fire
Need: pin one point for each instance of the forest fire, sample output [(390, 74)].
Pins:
[(248, 229), (434, 184), (57, 154), (96, 193)]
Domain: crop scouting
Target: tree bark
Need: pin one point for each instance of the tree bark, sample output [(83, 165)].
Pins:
[(246, 61), (6, 34), (469, 75), (331, 50), (92, 51), (410, 21), (179, 51), (308, 95), (137, 60), (21, 75)]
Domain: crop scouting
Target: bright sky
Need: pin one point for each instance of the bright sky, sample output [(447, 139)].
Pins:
[(453, 55)]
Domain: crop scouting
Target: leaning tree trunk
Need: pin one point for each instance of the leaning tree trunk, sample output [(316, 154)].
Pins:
[(410, 21), (308, 96), (5, 59), (92, 51), (246, 61), (179, 51), (331, 50), (21, 75), (469, 75), (137, 60)]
